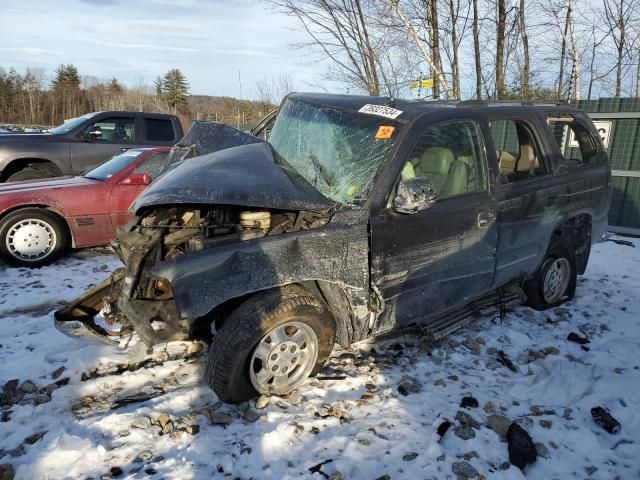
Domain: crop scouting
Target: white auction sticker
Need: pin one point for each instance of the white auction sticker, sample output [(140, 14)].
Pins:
[(381, 110)]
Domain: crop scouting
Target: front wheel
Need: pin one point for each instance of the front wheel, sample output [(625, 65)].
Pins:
[(32, 237), (555, 280), (270, 345)]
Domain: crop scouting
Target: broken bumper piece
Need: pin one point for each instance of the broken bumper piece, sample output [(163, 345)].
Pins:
[(155, 321), (77, 318)]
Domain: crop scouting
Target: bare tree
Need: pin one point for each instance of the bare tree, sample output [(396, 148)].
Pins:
[(500, 39), (476, 50), (617, 16), (525, 51), (340, 29), (428, 56), (271, 89)]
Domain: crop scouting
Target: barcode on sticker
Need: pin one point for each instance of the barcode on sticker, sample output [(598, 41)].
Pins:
[(380, 110)]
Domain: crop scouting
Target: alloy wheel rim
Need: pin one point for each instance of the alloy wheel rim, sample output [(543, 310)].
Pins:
[(556, 280), (31, 239), (283, 358)]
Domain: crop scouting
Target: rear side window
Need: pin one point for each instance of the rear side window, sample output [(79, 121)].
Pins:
[(159, 130), (574, 140), (517, 151), (452, 157)]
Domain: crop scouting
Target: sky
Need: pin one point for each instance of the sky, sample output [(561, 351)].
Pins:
[(210, 41)]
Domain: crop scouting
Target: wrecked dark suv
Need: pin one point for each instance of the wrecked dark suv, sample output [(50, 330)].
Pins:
[(358, 215)]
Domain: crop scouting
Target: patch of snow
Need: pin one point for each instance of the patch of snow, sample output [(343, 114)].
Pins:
[(361, 426)]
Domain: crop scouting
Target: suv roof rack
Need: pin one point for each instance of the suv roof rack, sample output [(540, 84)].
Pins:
[(488, 103)]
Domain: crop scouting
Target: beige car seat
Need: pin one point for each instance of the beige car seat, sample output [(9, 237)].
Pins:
[(448, 175)]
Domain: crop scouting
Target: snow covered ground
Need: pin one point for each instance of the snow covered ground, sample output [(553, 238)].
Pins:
[(99, 423)]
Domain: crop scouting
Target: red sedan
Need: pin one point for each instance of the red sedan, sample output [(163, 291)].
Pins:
[(40, 219)]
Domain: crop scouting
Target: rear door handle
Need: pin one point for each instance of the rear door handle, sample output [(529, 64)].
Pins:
[(485, 219)]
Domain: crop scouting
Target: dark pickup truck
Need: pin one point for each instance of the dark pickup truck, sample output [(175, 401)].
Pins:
[(82, 143)]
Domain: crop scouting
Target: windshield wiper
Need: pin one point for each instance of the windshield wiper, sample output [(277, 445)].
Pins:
[(318, 168)]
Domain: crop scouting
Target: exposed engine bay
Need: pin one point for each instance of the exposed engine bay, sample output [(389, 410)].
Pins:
[(133, 299)]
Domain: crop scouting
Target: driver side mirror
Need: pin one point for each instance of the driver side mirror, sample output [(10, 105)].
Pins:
[(136, 178), (94, 133), (414, 195)]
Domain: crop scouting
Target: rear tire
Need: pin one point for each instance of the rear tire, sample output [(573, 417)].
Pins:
[(32, 237), (280, 326), (555, 280), (30, 173)]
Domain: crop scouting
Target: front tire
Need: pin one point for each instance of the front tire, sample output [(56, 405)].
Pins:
[(32, 237), (270, 345), (555, 280)]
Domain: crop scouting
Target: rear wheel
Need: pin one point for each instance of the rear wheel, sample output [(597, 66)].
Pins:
[(555, 280), (32, 237), (270, 345)]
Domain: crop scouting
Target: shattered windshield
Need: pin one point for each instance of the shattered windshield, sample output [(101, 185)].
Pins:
[(337, 152)]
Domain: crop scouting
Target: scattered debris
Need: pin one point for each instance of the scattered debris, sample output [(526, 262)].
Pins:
[(626, 243), (469, 402), (464, 470), (522, 451), (466, 419), (504, 360), (409, 385), (443, 428), (465, 432), (409, 456), (574, 337), (603, 418), (499, 424)]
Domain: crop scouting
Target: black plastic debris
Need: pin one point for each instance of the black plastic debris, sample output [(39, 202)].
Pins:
[(504, 360), (468, 402), (603, 418), (522, 450), (574, 337), (626, 243), (443, 427)]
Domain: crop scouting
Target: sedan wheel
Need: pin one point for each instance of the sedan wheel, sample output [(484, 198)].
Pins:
[(32, 237)]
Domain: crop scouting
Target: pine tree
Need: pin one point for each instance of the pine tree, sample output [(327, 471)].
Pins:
[(159, 86), (175, 89), (114, 87)]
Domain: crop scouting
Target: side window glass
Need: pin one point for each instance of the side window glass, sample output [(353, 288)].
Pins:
[(113, 129), (158, 130), (516, 150), (575, 141), (153, 166), (452, 157)]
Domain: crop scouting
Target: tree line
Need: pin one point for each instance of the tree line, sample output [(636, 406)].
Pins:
[(498, 49), (30, 98)]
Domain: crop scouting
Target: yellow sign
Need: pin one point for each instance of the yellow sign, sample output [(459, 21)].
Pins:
[(422, 83), (384, 132)]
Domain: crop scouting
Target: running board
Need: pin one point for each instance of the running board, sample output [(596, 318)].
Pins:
[(496, 302)]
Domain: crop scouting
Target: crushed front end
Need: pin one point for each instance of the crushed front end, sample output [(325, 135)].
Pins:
[(134, 300)]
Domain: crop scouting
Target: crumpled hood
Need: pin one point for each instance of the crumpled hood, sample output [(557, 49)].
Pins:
[(246, 175), (46, 184)]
